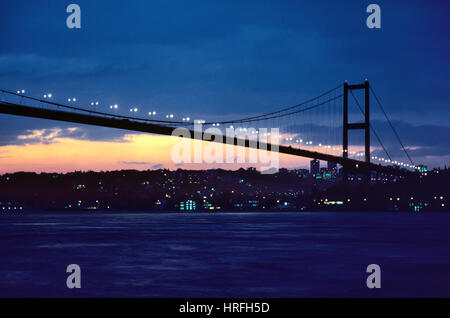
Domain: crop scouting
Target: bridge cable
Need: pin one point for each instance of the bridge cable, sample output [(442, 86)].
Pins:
[(242, 120), (392, 126), (285, 109), (371, 127)]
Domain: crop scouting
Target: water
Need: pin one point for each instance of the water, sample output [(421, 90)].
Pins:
[(224, 254)]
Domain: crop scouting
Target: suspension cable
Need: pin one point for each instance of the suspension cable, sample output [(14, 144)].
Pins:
[(242, 120), (390, 124), (371, 127)]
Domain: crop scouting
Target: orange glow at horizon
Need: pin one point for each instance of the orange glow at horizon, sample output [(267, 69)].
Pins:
[(134, 151), (48, 151)]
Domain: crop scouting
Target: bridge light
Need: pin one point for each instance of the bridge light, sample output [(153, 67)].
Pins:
[(23, 91), (74, 99), (69, 100), (153, 113), (18, 92), (135, 109), (188, 119), (92, 103), (171, 115), (49, 95), (96, 103)]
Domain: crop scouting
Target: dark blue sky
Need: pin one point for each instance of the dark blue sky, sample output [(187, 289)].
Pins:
[(228, 58)]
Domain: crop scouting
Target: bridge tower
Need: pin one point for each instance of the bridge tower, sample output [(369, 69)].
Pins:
[(356, 126)]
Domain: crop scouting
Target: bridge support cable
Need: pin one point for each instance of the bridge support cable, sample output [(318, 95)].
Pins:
[(372, 128), (392, 126)]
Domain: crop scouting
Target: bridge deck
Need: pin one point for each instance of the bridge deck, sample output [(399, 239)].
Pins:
[(58, 115)]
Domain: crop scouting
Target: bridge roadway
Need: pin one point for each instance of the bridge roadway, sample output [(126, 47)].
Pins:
[(352, 166)]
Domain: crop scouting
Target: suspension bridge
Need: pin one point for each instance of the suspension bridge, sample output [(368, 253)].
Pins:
[(317, 128)]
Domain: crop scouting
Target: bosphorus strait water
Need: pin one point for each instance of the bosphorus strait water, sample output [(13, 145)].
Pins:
[(224, 254)]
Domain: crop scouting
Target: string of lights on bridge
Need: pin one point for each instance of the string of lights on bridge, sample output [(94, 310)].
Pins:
[(231, 123)]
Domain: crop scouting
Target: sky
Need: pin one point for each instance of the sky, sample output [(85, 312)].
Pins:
[(216, 60)]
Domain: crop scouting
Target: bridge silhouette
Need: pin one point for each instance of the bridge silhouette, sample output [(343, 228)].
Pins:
[(294, 120)]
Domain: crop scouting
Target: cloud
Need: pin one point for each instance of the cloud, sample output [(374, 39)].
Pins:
[(46, 136), (135, 162), (30, 129), (38, 66), (158, 166)]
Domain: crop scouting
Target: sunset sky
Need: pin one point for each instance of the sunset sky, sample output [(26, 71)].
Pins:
[(215, 59)]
